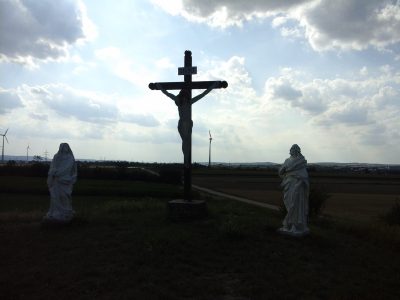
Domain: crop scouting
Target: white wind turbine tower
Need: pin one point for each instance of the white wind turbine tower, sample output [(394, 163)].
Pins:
[(27, 153), (209, 150), (2, 149)]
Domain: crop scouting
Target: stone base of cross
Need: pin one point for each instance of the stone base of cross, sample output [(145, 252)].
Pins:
[(184, 102)]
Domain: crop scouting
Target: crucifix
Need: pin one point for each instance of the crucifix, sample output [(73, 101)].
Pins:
[(184, 102)]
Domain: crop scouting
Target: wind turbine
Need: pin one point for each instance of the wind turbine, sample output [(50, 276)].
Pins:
[(2, 149), (45, 154), (209, 150), (27, 153)]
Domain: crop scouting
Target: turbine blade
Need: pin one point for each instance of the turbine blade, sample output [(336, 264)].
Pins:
[(6, 131), (6, 139)]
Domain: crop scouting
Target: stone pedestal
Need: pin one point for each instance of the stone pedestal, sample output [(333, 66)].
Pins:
[(183, 210), (295, 233)]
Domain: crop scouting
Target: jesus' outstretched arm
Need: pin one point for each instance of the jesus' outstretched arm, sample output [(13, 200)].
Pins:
[(165, 92), (198, 97)]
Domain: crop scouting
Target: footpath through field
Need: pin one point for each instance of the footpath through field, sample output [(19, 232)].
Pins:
[(252, 202)]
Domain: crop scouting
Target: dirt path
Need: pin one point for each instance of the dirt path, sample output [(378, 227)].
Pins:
[(252, 202)]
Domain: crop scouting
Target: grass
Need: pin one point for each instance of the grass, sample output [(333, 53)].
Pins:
[(87, 187), (124, 247), (392, 217)]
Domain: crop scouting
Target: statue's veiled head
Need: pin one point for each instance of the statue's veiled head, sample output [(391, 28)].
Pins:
[(295, 150), (64, 149)]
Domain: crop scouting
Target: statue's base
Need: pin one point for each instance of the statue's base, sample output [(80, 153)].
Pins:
[(184, 210), (293, 233)]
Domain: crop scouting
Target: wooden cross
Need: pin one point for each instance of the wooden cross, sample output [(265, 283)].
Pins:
[(187, 86)]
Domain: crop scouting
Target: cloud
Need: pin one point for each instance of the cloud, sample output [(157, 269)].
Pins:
[(142, 120), (284, 90), (149, 135), (40, 117), (363, 110), (327, 25), (374, 135), (348, 114), (9, 101), (165, 63), (239, 81), (387, 96), (41, 30), (299, 94), (60, 103), (55, 113), (352, 24), (69, 103), (124, 67), (233, 13)]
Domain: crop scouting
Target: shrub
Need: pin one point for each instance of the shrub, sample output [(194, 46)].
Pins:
[(36, 169), (11, 163), (316, 202)]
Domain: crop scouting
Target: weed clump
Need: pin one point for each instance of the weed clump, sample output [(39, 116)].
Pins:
[(232, 228), (316, 201)]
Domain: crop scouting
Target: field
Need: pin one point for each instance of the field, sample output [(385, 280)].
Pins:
[(122, 246), (359, 197)]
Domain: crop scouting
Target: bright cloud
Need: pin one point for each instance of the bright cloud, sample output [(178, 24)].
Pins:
[(41, 30), (125, 67)]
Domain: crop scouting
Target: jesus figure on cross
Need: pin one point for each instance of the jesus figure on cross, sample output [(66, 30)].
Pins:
[(184, 102)]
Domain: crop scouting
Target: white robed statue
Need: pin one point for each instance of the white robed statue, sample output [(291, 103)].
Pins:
[(61, 178), (296, 188)]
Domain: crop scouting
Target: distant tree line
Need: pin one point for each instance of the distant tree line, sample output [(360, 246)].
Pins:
[(114, 170)]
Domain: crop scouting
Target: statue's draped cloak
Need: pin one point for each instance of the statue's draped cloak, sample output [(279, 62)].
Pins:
[(61, 177), (295, 186)]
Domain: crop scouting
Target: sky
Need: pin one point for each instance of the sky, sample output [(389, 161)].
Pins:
[(322, 74)]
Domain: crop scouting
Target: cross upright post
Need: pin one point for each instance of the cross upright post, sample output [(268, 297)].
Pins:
[(187, 170), (184, 101)]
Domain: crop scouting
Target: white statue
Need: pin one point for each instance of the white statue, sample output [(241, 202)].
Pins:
[(61, 177), (296, 188)]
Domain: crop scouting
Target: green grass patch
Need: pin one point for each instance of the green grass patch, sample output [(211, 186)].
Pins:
[(124, 247)]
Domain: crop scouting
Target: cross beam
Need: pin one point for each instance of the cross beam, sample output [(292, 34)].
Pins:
[(188, 85), (183, 85)]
